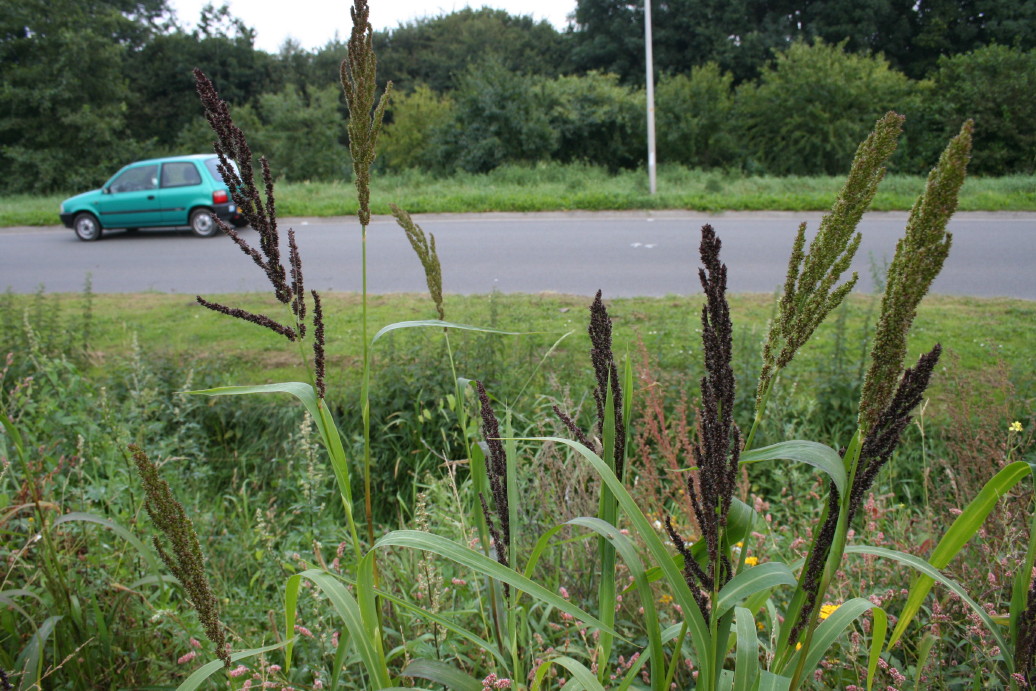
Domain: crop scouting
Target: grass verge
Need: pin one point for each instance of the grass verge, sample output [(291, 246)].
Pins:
[(554, 187)]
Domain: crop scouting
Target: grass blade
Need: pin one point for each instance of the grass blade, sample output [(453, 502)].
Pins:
[(30, 660), (441, 673), (480, 563), (835, 625), (962, 530), (78, 516), (811, 453), (746, 669), (581, 676), (932, 574), (201, 675), (422, 323), (751, 581)]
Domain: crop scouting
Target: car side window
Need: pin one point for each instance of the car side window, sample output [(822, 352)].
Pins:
[(135, 180), (180, 174)]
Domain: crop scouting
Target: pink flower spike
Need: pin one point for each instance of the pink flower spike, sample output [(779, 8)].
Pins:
[(184, 659), (238, 671)]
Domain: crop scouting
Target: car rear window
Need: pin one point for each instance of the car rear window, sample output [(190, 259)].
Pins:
[(180, 174), (213, 165)]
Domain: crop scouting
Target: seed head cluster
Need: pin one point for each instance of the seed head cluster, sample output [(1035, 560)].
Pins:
[(496, 470), (183, 555), (424, 247), (359, 76), (918, 260), (718, 449), (1025, 646), (232, 148), (810, 291)]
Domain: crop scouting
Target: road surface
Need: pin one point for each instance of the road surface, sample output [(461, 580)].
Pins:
[(624, 253)]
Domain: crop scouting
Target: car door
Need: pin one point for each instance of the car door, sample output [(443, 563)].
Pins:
[(180, 191), (130, 199)]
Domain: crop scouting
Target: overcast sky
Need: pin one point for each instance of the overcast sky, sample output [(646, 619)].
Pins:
[(314, 22)]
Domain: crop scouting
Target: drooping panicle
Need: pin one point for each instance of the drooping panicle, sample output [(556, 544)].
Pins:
[(260, 211), (183, 555), (883, 437), (359, 81), (424, 247), (572, 427), (607, 377), (817, 560), (810, 291), (496, 470), (693, 574), (918, 260)]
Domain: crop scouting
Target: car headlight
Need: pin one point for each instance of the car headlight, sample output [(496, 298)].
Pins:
[(62, 207)]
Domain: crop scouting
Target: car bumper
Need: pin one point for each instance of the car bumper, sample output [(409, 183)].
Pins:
[(67, 219)]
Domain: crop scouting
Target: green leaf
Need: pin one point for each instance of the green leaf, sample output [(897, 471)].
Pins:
[(933, 574), (480, 563), (809, 452), (442, 673), (625, 547), (768, 681), (201, 674), (443, 325), (699, 630), (30, 659), (581, 676), (835, 625), (78, 516), (746, 667), (348, 610), (753, 580), (958, 535)]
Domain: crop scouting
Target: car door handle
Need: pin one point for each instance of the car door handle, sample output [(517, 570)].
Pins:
[(151, 196)]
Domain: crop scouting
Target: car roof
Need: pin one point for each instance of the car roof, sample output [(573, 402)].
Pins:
[(164, 159)]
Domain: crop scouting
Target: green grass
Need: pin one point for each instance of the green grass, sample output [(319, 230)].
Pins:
[(176, 327), (553, 187)]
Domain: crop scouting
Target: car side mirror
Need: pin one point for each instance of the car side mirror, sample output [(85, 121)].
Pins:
[(106, 190)]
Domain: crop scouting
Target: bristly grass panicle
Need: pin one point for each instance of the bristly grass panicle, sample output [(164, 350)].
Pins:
[(359, 81), (607, 375), (809, 288), (186, 560), (918, 260), (424, 247)]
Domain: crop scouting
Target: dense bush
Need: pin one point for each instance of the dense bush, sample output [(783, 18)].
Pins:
[(694, 118), (995, 86), (811, 107), (415, 118)]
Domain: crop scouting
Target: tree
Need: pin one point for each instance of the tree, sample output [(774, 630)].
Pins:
[(414, 121), (63, 96), (994, 86), (597, 120), (499, 117), (436, 51)]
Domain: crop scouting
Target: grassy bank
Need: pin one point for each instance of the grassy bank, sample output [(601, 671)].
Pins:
[(558, 188), (175, 328)]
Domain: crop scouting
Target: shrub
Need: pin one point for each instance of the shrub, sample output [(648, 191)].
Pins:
[(410, 137), (810, 108), (694, 112)]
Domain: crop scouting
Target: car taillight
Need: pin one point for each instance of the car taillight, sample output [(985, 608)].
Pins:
[(219, 197)]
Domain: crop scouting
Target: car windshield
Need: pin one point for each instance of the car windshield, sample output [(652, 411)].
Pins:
[(213, 165)]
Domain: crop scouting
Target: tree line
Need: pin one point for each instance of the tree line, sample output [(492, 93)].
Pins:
[(762, 87)]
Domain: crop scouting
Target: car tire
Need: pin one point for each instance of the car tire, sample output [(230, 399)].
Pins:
[(87, 227), (240, 222), (203, 224)]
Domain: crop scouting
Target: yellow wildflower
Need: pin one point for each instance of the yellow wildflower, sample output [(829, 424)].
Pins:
[(1015, 426), (798, 646), (827, 610), (665, 599), (751, 561)]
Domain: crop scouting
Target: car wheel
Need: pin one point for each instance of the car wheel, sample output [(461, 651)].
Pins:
[(203, 224), (87, 227), (240, 222)]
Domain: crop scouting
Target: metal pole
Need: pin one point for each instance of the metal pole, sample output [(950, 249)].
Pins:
[(649, 59)]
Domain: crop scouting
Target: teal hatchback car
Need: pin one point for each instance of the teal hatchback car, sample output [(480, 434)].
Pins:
[(157, 193)]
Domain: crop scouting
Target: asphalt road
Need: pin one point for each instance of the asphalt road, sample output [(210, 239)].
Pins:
[(625, 254)]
